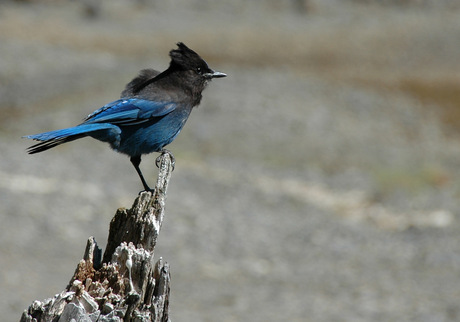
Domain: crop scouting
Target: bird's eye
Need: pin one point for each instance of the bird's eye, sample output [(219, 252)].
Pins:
[(198, 70)]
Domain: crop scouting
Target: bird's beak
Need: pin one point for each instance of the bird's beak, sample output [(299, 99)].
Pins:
[(214, 74)]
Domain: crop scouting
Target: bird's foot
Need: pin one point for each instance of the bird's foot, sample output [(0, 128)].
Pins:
[(147, 189), (173, 159)]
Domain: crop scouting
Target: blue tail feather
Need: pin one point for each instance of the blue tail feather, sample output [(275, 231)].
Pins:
[(53, 138)]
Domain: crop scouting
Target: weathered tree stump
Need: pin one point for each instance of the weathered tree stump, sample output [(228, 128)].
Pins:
[(124, 284)]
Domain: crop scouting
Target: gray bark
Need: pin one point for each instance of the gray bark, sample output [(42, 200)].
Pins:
[(124, 284)]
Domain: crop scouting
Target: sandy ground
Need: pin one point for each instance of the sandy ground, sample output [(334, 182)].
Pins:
[(317, 182)]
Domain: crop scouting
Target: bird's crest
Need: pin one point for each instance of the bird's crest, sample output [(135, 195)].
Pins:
[(186, 58)]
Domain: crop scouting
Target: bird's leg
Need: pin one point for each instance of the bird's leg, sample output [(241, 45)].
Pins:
[(136, 161), (173, 159)]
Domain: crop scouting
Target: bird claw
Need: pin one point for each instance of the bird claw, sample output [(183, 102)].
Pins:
[(173, 159), (147, 189)]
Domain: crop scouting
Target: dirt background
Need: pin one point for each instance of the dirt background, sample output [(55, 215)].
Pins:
[(317, 182)]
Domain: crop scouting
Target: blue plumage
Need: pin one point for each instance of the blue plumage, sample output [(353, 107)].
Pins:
[(130, 111), (152, 111)]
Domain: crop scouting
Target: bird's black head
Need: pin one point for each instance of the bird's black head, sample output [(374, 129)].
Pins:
[(186, 59), (187, 70)]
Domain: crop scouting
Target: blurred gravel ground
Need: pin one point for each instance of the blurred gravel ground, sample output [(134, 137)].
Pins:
[(312, 184)]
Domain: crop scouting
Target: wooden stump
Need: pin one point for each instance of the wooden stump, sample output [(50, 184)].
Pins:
[(124, 284)]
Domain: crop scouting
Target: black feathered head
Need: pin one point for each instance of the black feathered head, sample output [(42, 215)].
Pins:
[(182, 59), (187, 59)]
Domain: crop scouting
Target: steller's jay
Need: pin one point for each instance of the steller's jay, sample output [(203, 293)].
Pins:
[(152, 110)]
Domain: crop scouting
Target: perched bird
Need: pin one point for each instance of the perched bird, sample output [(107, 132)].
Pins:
[(152, 110)]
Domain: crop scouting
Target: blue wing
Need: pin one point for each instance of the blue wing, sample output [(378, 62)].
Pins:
[(130, 111)]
